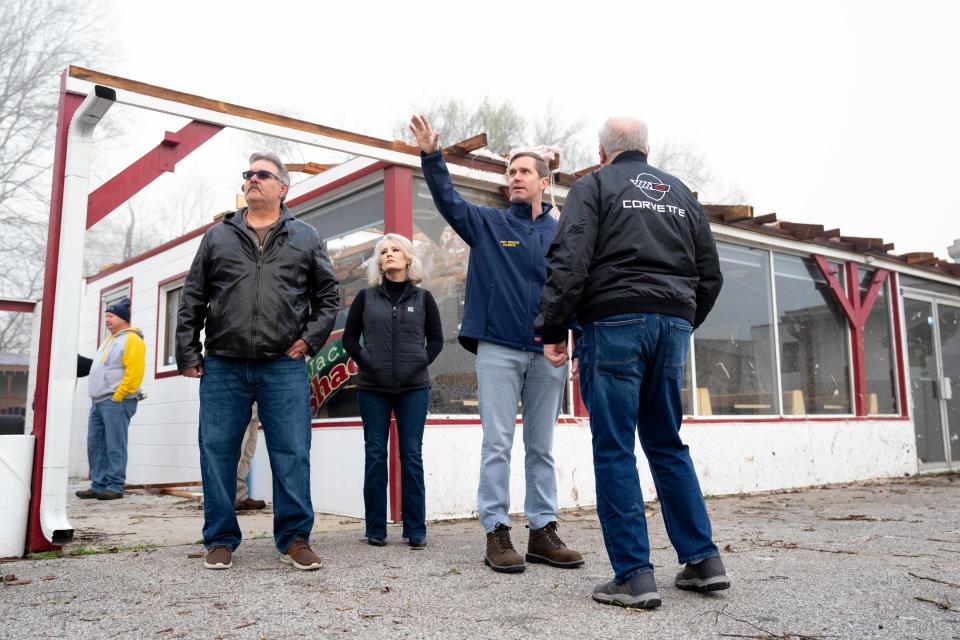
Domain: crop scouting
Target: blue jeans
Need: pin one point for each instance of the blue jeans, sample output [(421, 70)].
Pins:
[(107, 443), (631, 372), (228, 389), (410, 410), (505, 377)]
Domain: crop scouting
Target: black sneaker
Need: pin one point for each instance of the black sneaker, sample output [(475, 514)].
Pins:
[(705, 575), (106, 494), (639, 592), (417, 543)]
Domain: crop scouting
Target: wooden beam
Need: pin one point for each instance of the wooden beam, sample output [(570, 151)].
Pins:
[(312, 168), (470, 144), (218, 106), (766, 218), (481, 163), (565, 179), (165, 485), (917, 257), (802, 231), (857, 240), (728, 213), (735, 213), (582, 172)]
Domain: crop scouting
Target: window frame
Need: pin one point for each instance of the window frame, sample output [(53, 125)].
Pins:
[(164, 287), (126, 284)]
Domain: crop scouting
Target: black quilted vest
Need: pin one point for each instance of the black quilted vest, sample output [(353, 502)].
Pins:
[(394, 357)]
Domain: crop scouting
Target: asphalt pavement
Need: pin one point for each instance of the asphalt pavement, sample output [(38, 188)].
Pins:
[(866, 560)]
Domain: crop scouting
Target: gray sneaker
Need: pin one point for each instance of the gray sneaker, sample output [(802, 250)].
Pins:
[(705, 575), (639, 592)]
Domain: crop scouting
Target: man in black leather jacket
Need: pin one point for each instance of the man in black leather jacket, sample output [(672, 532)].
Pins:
[(262, 287), (635, 259)]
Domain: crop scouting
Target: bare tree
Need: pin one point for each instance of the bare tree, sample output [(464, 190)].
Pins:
[(506, 129), (38, 40), (685, 161), (146, 223)]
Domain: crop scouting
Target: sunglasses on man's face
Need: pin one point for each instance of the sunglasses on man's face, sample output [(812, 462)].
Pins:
[(262, 174)]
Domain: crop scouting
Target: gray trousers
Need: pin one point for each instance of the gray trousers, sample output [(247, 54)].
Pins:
[(506, 377)]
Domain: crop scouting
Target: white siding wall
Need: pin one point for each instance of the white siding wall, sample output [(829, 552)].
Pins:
[(730, 457)]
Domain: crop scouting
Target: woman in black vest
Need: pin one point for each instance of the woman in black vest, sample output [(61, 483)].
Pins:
[(400, 324)]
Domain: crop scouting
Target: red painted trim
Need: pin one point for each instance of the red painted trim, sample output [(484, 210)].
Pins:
[(471, 421), (117, 285), (166, 281), (398, 200), (394, 472), (397, 218), (871, 296), (190, 235), (857, 310), (338, 423), (157, 374), (153, 164), (339, 182), (899, 354), (780, 420), (69, 102), (856, 341), (830, 273), (18, 306), (579, 408)]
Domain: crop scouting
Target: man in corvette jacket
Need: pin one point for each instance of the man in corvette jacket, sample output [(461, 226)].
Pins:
[(262, 287), (635, 260), (505, 274)]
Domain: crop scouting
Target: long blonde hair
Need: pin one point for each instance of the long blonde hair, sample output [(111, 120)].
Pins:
[(414, 270)]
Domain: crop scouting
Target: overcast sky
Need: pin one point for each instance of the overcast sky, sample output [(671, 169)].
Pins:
[(838, 113)]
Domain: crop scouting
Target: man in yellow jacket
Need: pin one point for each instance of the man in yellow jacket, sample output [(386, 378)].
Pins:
[(114, 389)]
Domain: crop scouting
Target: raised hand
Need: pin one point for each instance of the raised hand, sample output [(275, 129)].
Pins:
[(427, 139)]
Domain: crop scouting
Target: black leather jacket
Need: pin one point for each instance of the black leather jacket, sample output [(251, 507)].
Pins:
[(255, 305), (632, 239)]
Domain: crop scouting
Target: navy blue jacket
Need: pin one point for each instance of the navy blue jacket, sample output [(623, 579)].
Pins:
[(508, 262)]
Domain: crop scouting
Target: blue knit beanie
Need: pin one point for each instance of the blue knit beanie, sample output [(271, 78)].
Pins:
[(121, 309)]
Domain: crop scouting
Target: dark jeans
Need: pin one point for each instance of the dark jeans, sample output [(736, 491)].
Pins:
[(410, 410), (107, 443), (228, 389), (631, 371)]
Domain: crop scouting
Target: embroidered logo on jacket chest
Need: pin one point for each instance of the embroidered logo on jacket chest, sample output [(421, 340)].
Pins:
[(509, 243)]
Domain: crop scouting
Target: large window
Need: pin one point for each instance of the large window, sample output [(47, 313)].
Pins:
[(351, 225), (814, 339), (734, 347), (878, 348), (445, 256)]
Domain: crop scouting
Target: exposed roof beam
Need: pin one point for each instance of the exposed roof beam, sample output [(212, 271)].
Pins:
[(311, 168), (159, 99)]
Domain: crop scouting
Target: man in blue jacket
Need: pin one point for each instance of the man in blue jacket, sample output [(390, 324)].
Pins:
[(505, 276)]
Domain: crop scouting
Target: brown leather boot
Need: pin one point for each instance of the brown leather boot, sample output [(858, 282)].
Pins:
[(501, 556), (546, 546)]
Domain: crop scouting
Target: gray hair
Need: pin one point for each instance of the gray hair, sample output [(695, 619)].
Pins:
[(624, 133), (272, 158), (414, 271)]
